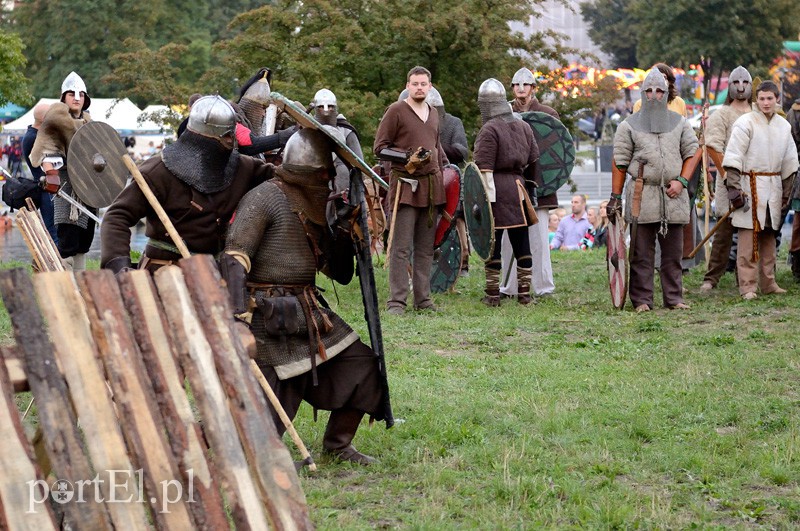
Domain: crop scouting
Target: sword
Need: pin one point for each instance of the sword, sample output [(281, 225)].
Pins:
[(636, 207), (77, 205)]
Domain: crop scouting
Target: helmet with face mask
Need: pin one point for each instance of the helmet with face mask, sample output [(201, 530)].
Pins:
[(492, 100), (523, 76), (74, 83), (654, 116), (740, 84), (325, 107)]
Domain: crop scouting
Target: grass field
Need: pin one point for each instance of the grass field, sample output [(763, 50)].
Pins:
[(569, 414)]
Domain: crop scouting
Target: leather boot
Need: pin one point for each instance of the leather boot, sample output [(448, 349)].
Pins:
[(524, 285), (79, 263), (339, 433), (492, 290)]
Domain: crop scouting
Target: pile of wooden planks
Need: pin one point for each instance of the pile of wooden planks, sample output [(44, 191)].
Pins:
[(40, 244), (108, 360)]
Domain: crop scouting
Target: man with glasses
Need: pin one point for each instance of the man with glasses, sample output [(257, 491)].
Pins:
[(199, 180), (655, 147)]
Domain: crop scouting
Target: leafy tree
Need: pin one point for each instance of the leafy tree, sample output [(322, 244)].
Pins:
[(719, 34), (610, 27), (13, 84), (332, 43)]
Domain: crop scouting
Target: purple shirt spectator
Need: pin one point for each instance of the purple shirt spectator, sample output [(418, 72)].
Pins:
[(570, 231)]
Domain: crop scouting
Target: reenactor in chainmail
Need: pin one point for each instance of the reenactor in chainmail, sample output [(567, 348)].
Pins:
[(504, 148), (74, 228), (198, 180), (251, 110), (454, 143), (279, 240)]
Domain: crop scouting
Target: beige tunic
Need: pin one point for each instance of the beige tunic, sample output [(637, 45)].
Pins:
[(761, 145), (664, 154), (718, 131)]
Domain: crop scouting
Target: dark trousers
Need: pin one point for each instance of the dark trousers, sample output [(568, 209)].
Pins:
[(720, 251), (642, 267), (348, 386), (520, 244), (74, 240)]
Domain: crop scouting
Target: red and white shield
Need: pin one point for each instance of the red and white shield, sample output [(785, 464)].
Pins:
[(617, 263)]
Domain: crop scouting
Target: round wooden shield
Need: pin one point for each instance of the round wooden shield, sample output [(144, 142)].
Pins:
[(446, 264), (478, 212), (617, 264), (94, 162), (452, 191), (556, 151)]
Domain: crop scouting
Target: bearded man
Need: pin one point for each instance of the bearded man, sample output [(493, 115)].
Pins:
[(717, 133), (74, 228), (199, 180), (655, 147), (280, 240), (416, 187)]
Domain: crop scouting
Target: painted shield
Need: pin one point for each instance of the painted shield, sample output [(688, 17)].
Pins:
[(478, 212), (452, 191), (556, 151), (617, 264), (446, 263), (344, 152), (95, 165)]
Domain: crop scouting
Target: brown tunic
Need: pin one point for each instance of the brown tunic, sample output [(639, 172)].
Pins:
[(402, 129), (506, 148), (201, 219)]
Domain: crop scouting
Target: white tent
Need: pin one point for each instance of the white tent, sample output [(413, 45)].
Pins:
[(122, 115)]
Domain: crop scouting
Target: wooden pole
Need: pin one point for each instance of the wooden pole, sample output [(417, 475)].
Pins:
[(154, 203), (176, 238)]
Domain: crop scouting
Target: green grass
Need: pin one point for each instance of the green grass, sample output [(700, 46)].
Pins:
[(569, 414)]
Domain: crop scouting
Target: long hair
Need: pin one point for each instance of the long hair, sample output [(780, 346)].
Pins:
[(670, 75)]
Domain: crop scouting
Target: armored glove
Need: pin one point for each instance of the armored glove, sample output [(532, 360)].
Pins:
[(613, 209), (417, 159), (120, 264), (737, 199)]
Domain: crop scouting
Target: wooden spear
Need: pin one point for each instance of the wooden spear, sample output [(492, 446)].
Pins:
[(184, 251)]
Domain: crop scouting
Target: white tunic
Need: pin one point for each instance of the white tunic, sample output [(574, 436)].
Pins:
[(761, 145)]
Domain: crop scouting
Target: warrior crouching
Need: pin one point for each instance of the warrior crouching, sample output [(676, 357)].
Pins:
[(279, 240)]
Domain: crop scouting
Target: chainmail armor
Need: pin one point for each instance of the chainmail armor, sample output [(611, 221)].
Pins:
[(282, 257), (63, 210), (451, 133), (254, 112), (201, 162)]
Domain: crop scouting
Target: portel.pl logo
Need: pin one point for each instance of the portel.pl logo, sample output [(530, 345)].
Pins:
[(116, 486)]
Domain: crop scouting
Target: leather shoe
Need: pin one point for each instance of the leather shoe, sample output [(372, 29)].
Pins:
[(350, 454), (395, 310)]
